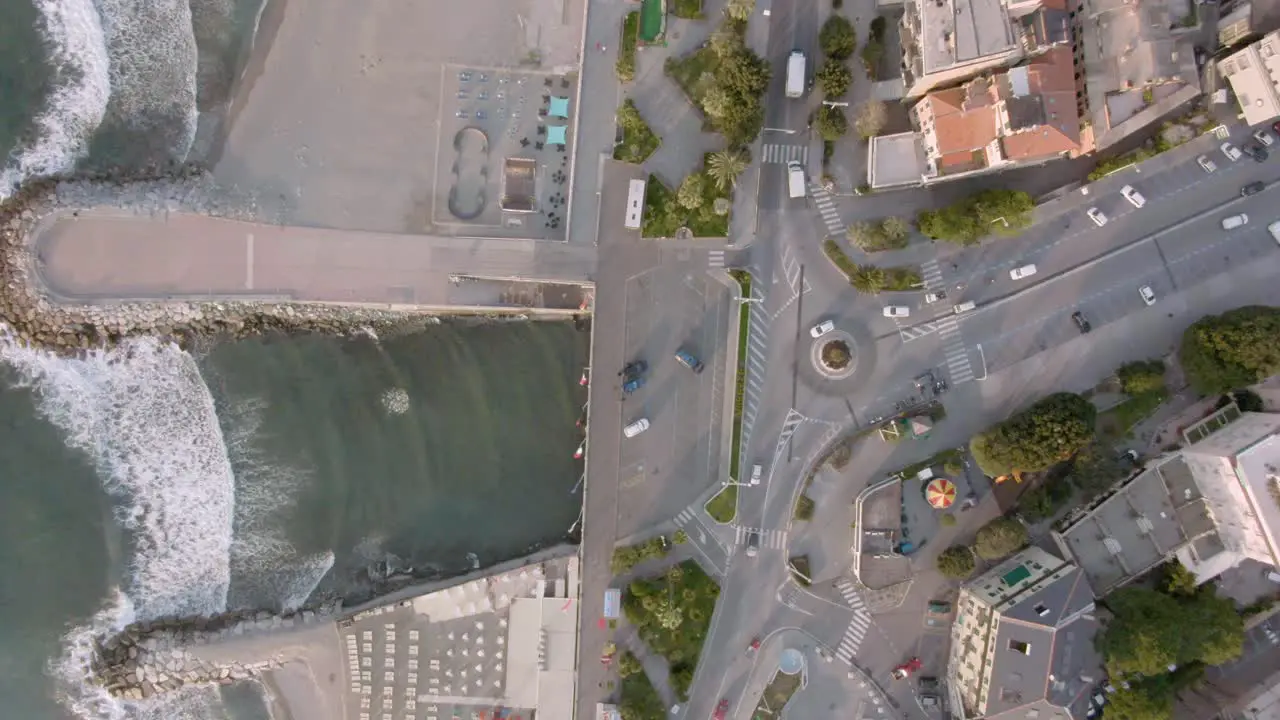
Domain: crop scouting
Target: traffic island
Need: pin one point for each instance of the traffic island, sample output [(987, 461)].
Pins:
[(834, 356), (743, 279), (672, 615), (799, 567), (784, 684), (723, 508)]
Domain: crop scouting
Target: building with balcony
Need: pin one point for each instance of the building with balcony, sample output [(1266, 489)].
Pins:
[(1022, 641), (1254, 75)]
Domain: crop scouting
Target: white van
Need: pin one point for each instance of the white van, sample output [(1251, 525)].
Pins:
[(795, 74), (636, 427), (964, 307), (795, 180), (1023, 272)]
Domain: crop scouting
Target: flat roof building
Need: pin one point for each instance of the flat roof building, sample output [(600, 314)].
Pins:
[(1254, 75), (1022, 641)]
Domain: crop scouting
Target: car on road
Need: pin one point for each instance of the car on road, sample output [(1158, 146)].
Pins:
[(1274, 229), (904, 670), (928, 683), (632, 384), (1263, 137), (1257, 152), (1206, 164), (1022, 272), (753, 543), (1082, 323), (1133, 196), (687, 359), (1096, 216), (722, 709), (930, 700), (1231, 151), (1253, 188), (757, 472), (754, 646), (1231, 222), (821, 329), (897, 311), (1147, 294), (636, 427), (933, 297)]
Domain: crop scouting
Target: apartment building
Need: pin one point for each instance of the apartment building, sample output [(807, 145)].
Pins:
[(1022, 641), (1254, 75)]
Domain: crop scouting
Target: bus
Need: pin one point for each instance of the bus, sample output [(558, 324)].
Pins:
[(635, 204)]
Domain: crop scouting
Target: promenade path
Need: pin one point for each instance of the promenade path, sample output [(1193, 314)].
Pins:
[(106, 255)]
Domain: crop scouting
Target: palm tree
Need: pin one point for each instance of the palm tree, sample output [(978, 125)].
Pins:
[(724, 167), (868, 279)]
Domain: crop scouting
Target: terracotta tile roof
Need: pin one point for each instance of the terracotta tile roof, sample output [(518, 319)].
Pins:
[(965, 131), (1059, 134), (1052, 71)]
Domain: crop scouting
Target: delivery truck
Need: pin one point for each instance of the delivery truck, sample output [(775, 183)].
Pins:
[(795, 179), (795, 74)]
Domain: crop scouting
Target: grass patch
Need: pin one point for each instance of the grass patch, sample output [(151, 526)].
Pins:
[(663, 216), (695, 73), (740, 382), (672, 614), (1116, 422), (952, 461), (626, 67), (625, 558), (688, 9), (776, 694), (799, 566), (723, 508), (804, 508), (638, 140), (638, 700)]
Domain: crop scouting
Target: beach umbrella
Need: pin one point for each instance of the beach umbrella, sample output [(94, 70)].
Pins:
[(940, 493)]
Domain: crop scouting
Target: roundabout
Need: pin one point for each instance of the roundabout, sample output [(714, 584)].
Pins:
[(834, 355)]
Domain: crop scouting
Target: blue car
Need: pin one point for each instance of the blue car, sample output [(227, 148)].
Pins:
[(688, 360)]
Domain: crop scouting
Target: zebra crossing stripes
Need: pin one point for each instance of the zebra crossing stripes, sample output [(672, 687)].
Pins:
[(778, 154), (850, 594), (827, 209), (684, 516), (931, 274), (715, 259), (769, 539), (853, 636), (958, 366)]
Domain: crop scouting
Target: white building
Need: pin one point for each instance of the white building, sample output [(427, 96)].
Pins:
[(1254, 75)]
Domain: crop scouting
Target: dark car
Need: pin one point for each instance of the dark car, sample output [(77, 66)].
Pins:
[(1276, 126), (1256, 152), (1080, 321), (1253, 188), (928, 683)]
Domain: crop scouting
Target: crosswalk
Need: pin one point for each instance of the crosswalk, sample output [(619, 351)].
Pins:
[(769, 539), (958, 366), (778, 154), (715, 259), (827, 208), (858, 625)]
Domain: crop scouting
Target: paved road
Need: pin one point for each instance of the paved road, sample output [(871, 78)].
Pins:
[(104, 254)]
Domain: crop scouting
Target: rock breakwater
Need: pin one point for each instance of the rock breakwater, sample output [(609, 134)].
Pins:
[(145, 659)]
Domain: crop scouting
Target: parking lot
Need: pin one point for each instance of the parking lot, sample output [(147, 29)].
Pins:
[(677, 305)]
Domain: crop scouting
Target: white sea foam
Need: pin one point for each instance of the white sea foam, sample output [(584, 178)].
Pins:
[(75, 108)]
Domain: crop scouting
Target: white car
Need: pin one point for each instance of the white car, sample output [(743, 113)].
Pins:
[(1274, 229), (933, 297), (1148, 295), (636, 427), (1264, 138), (1133, 196), (1231, 151), (821, 329), (1096, 216), (1023, 272), (897, 311), (757, 472), (1206, 164), (1231, 222)]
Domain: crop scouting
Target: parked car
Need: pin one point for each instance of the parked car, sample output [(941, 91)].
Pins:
[(687, 359), (1257, 152), (1096, 216), (1231, 222), (821, 329), (1253, 188), (1081, 322), (930, 700), (1231, 151), (933, 297), (1022, 272), (1133, 196), (927, 683), (897, 311), (1206, 164), (1274, 229), (636, 428), (1147, 294), (1263, 137), (757, 472)]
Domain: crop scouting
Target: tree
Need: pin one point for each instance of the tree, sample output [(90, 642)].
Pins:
[(1176, 580), (628, 664), (956, 561), (1045, 500), (680, 537), (1144, 635), (689, 194), (639, 701), (951, 223), (969, 220), (999, 538), (724, 42), (1097, 467), (724, 167), (869, 279), (834, 77), (1048, 432), (895, 229), (1237, 348), (718, 103), (740, 10), (1141, 377), (1214, 631), (870, 118), (1141, 701), (888, 234), (837, 38), (831, 122)]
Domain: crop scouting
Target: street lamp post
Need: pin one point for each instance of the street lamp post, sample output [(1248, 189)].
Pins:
[(833, 103), (745, 301), (781, 130)]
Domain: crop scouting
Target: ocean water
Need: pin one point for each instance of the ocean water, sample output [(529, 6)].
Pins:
[(149, 481)]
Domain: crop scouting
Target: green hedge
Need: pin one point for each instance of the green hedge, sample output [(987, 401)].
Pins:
[(627, 40)]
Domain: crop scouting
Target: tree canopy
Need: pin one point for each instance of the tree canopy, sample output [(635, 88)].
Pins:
[(956, 561), (1151, 630), (1005, 212), (837, 38), (1000, 537), (1048, 432), (1142, 376), (1141, 701), (870, 118), (1097, 467), (1237, 348), (888, 234), (834, 77), (831, 122)]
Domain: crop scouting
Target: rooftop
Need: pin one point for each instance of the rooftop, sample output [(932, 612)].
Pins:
[(958, 32)]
